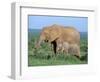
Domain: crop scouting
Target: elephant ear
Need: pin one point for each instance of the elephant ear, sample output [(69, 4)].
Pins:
[(55, 33)]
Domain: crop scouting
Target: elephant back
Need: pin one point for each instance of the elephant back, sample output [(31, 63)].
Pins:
[(71, 35)]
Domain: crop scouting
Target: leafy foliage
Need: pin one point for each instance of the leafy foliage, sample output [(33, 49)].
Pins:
[(44, 55)]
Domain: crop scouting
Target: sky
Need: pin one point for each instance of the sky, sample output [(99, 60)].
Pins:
[(38, 22)]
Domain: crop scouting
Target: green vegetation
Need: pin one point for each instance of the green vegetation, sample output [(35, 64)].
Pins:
[(44, 56)]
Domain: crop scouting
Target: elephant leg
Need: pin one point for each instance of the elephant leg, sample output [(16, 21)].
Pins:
[(54, 47), (75, 50), (60, 48), (65, 47), (51, 47), (77, 54), (66, 51)]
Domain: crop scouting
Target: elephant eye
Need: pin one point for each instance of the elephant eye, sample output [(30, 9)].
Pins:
[(46, 40)]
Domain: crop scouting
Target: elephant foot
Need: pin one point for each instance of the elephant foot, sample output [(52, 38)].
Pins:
[(79, 57)]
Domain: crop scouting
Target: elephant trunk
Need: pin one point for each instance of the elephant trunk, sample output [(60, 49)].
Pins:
[(39, 42)]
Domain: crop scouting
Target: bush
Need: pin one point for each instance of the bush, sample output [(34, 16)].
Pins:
[(45, 56)]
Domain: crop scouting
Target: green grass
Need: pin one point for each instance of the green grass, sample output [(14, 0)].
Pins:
[(44, 56), (36, 61)]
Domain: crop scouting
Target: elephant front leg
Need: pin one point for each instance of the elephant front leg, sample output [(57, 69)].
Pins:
[(54, 47)]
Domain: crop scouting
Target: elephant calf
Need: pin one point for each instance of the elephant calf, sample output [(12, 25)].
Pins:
[(66, 47), (62, 46)]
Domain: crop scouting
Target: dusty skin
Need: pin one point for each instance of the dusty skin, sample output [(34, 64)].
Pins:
[(55, 33)]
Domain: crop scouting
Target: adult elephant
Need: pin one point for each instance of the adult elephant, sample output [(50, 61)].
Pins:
[(54, 33)]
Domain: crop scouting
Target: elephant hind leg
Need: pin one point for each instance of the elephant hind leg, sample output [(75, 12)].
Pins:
[(77, 54), (75, 50)]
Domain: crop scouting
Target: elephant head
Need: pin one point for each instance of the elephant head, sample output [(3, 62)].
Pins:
[(44, 37), (49, 34)]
